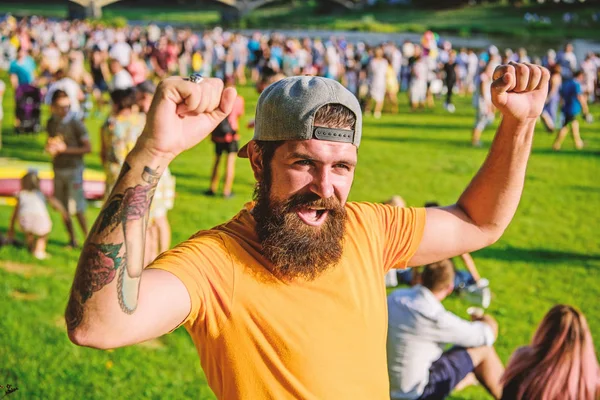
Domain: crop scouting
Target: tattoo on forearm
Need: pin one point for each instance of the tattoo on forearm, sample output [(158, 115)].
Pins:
[(136, 202), (101, 261), (124, 170), (111, 214), (150, 175)]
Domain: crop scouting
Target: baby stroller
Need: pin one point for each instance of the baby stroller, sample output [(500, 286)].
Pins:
[(28, 100)]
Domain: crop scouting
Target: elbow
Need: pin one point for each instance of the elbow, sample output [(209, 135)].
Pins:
[(493, 234), (88, 338), (77, 337)]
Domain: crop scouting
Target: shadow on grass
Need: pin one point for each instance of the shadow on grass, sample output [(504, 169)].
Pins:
[(425, 125), (568, 152), (585, 189), (30, 147), (464, 144), (26, 146), (511, 253), (180, 174)]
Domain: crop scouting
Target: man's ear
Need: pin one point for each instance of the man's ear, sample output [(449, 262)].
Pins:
[(450, 288), (256, 161)]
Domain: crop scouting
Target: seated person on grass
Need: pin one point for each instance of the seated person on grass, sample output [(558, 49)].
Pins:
[(420, 329)]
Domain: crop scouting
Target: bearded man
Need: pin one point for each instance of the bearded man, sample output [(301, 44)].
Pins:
[(287, 299)]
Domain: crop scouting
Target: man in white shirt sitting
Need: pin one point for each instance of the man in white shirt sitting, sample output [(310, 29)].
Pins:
[(420, 329)]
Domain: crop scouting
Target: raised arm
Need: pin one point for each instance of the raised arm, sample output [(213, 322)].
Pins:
[(115, 302), (489, 202)]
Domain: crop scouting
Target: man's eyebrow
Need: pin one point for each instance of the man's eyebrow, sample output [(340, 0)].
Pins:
[(297, 154), (304, 156)]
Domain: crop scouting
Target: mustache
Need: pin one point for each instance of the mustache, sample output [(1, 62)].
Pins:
[(312, 200)]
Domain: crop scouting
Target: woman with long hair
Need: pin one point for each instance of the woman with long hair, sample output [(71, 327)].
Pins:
[(559, 364)]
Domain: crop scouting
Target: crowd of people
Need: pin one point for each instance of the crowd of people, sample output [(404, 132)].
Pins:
[(55, 54), (84, 69)]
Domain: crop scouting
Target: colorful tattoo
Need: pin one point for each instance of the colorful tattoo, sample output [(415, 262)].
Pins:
[(150, 175), (101, 262)]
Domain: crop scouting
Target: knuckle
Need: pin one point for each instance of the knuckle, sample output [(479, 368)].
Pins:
[(522, 68), (545, 72), (499, 71)]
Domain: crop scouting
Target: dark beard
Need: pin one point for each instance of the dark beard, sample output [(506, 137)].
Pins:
[(298, 250)]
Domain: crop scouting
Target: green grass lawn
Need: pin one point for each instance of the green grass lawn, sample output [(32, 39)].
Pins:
[(550, 254), (497, 20)]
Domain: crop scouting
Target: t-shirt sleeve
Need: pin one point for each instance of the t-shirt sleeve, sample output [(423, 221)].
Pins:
[(395, 231), (404, 230), (203, 265)]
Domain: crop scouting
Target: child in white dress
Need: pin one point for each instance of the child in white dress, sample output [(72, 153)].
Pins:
[(32, 214)]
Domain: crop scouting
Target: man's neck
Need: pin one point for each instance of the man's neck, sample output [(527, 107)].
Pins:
[(440, 295)]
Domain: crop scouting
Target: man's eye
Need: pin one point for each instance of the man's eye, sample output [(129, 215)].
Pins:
[(343, 166), (303, 162)]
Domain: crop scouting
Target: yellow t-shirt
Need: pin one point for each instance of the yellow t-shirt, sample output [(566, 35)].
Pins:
[(261, 338)]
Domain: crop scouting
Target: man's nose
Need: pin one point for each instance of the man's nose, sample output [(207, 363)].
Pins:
[(321, 184)]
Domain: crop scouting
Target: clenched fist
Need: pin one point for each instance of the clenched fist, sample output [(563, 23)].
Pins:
[(519, 90), (183, 113)]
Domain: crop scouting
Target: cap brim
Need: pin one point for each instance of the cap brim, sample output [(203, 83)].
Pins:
[(243, 152)]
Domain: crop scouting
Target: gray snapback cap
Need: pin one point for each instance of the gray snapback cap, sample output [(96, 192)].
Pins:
[(287, 108)]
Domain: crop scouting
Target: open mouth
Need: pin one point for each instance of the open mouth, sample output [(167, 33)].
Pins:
[(314, 216)]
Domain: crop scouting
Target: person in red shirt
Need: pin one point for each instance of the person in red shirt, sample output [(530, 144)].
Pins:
[(226, 139)]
